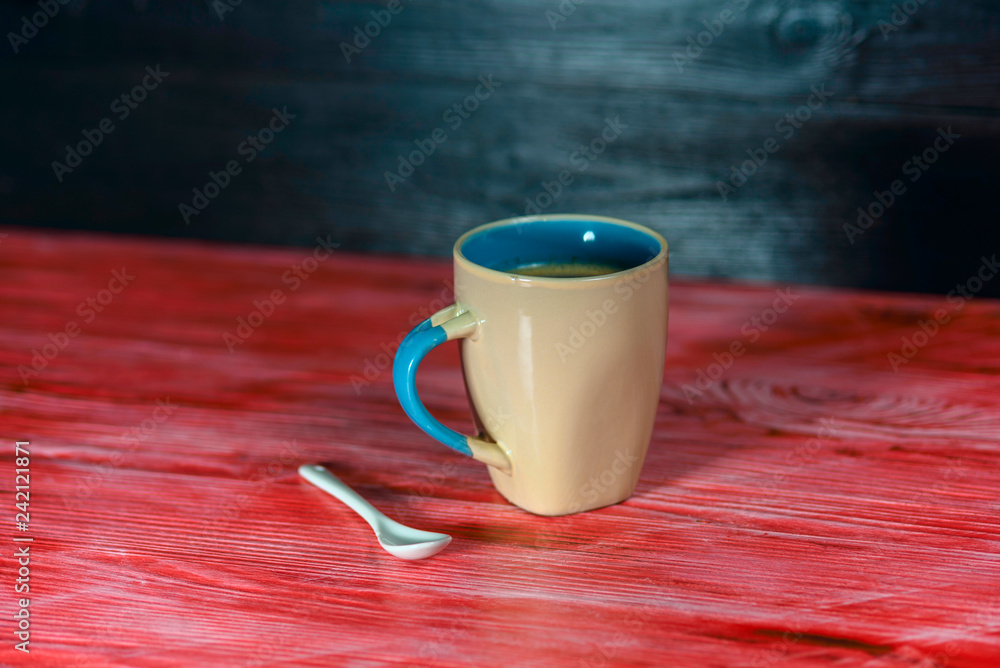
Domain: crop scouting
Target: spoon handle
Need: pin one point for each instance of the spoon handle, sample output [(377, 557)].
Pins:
[(326, 481)]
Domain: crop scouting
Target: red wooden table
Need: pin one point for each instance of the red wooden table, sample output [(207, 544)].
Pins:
[(804, 503)]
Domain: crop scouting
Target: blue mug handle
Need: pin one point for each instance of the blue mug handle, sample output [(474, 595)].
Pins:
[(445, 325)]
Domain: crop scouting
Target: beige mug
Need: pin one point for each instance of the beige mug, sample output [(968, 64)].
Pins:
[(563, 324)]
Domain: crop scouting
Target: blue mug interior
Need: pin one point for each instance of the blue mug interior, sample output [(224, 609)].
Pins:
[(519, 244)]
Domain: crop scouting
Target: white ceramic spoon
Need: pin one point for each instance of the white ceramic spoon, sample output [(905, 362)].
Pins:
[(398, 540)]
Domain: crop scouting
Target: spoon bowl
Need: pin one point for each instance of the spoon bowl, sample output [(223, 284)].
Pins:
[(411, 544)]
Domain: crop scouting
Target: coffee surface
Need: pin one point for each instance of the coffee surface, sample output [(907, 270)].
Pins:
[(565, 269)]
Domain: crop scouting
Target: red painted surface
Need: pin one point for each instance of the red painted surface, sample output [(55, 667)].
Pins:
[(810, 508)]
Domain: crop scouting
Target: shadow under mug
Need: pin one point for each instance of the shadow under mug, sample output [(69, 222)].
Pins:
[(563, 374)]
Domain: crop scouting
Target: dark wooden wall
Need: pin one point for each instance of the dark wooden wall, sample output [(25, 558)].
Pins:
[(687, 123)]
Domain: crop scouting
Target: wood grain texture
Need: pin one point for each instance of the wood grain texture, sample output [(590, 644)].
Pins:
[(687, 126), (809, 508)]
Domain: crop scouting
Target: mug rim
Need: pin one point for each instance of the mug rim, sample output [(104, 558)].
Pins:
[(555, 281)]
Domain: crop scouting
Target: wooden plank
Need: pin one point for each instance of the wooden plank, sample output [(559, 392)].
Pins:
[(810, 507)]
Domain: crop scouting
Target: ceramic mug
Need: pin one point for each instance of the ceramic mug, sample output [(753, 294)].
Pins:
[(563, 374)]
